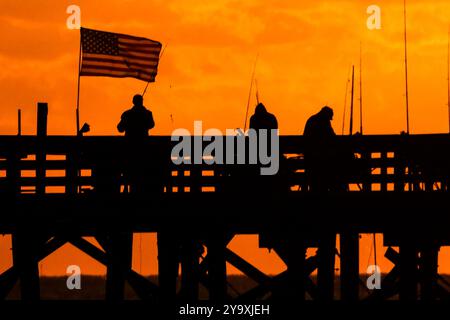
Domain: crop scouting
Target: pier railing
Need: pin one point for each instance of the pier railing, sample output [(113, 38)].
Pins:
[(58, 164)]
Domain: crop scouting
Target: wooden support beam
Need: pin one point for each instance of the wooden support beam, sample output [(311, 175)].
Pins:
[(389, 285), (90, 250), (204, 264), (143, 287), (311, 263), (7, 281), (245, 267), (326, 266), (296, 253), (25, 245), (9, 278), (189, 269), (280, 281), (349, 243), (168, 260), (118, 264), (217, 271), (428, 272), (408, 271), (258, 292)]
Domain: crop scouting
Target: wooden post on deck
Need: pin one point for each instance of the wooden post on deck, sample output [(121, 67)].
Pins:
[(42, 113)]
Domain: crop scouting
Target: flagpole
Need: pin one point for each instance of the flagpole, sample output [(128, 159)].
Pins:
[(78, 90), (160, 57), (145, 90)]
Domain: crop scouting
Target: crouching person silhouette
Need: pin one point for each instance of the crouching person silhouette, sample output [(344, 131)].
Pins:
[(321, 153), (322, 176)]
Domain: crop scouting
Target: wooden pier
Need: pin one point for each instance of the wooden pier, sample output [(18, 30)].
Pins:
[(59, 189)]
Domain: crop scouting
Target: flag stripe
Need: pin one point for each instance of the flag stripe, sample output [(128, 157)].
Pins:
[(117, 58), (143, 62), (125, 69), (149, 44), (89, 71), (124, 64), (133, 38), (134, 54), (116, 74), (138, 50)]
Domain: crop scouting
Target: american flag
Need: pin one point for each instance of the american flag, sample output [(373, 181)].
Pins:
[(118, 55)]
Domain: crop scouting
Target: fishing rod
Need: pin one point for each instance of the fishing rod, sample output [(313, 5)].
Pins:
[(257, 91), (448, 78), (406, 67), (351, 101), (250, 92), (345, 99), (360, 91)]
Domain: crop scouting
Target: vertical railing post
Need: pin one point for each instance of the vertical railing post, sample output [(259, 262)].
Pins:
[(42, 112)]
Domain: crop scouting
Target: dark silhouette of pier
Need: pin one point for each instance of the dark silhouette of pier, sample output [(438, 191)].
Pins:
[(398, 187)]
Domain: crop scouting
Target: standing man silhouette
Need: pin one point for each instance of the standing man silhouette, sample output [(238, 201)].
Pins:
[(146, 175), (141, 169), (137, 121)]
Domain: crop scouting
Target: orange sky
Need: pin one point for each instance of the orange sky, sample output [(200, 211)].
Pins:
[(305, 49)]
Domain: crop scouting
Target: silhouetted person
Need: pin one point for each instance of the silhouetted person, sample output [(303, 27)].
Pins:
[(137, 121), (144, 168), (320, 152), (261, 185), (322, 174), (319, 126), (262, 119), (146, 173)]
